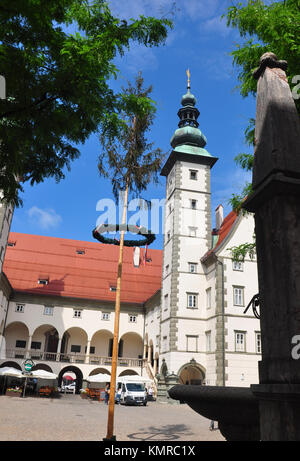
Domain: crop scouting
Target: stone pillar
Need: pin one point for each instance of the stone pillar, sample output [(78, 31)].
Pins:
[(27, 354), (145, 351), (87, 354), (276, 203), (149, 354), (58, 350)]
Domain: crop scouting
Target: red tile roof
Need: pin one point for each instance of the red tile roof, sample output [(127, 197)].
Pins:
[(86, 276), (222, 232)]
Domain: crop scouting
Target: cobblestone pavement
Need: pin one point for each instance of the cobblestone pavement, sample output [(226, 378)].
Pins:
[(71, 418)]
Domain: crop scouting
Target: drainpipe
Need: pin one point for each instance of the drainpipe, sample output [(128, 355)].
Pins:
[(223, 324), (144, 309), (4, 326)]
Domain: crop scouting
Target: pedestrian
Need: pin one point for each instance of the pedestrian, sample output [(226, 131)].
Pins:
[(150, 393), (107, 391), (212, 425), (119, 395)]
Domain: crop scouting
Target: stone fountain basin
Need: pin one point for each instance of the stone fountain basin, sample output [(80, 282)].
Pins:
[(235, 408)]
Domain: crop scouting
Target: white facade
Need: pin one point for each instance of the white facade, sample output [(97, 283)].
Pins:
[(195, 323)]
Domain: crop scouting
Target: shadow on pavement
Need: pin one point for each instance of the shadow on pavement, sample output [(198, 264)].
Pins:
[(171, 432)]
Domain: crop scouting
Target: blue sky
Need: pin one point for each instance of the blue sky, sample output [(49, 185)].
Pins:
[(199, 41)]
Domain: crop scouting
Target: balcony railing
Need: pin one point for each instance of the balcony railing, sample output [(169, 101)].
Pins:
[(72, 358)]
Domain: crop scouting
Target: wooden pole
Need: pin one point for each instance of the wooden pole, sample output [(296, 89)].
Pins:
[(111, 406)]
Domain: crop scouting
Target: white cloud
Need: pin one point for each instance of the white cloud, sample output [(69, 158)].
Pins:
[(192, 9), (44, 219), (216, 25), (138, 58)]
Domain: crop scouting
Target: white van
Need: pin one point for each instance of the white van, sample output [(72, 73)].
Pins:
[(133, 393)]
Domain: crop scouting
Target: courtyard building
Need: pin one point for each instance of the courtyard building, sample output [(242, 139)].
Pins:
[(182, 307)]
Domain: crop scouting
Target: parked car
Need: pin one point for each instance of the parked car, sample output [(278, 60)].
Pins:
[(68, 388)]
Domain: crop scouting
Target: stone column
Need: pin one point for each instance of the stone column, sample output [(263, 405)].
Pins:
[(149, 354), (276, 203), (58, 350), (27, 354), (87, 354)]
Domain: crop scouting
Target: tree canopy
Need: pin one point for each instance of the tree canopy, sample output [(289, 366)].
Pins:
[(265, 27), (132, 160), (57, 59)]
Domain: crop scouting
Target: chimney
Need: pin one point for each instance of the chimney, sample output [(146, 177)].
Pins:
[(136, 257), (219, 216)]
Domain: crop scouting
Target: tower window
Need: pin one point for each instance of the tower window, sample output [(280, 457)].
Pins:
[(193, 174), (193, 268), (193, 204)]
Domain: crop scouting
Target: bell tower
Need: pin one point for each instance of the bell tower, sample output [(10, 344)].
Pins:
[(187, 238)]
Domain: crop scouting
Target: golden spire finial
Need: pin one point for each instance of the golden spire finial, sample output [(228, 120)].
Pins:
[(188, 76)]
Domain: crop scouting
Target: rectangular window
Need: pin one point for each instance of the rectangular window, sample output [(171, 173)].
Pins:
[(77, 314), (193, 175), (75, 348), (237, 266), (48, 310), (192, 343), (240, 341), (165, 343), (192, 300), (208, 298), (21, 344), (105, 316), (20, 307), (258, 342), (208, 341), (192, 231), (193, 268), (157, 341), (193, 204), (35, 345), (132, 318), (166, 302), (238, 296)]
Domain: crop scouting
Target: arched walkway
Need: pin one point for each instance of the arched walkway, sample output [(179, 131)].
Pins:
[(99, 370), (128, 372), (76, 371), (11, 364), (131, 346), (42, 366)]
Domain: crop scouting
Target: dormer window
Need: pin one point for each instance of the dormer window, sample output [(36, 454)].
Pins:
[(80, 252), (43, 281), (11, 244)]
